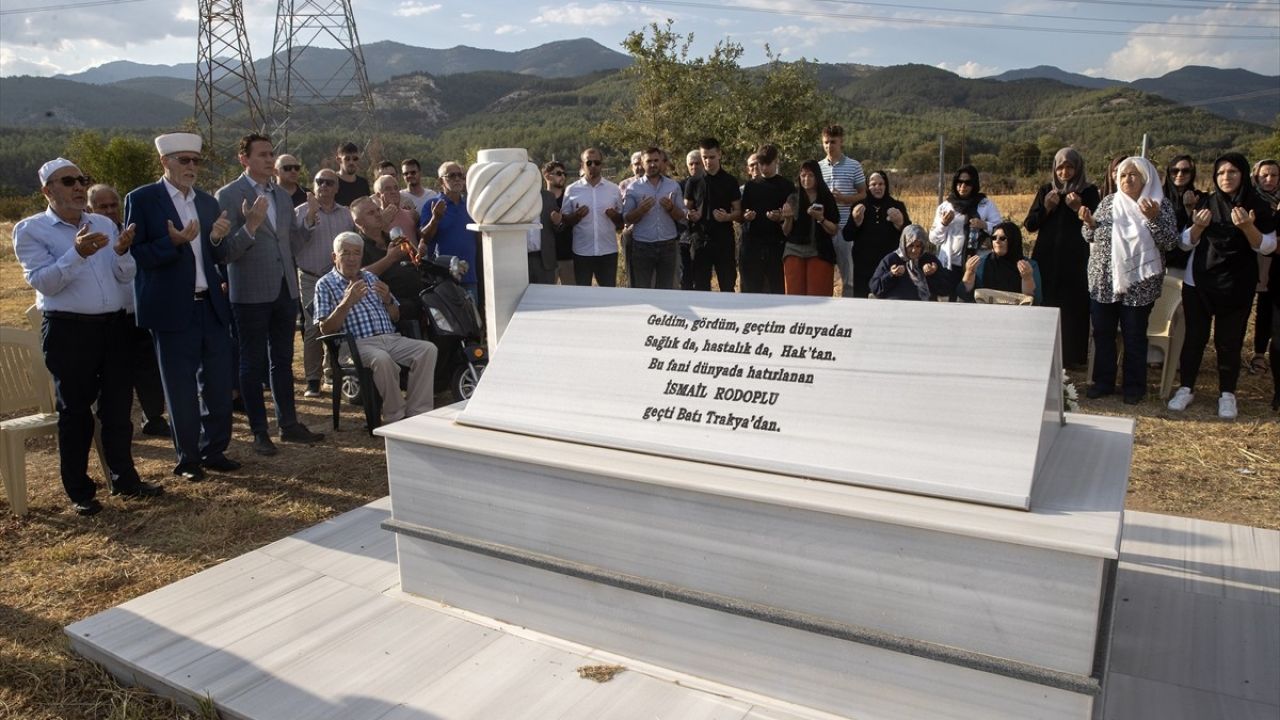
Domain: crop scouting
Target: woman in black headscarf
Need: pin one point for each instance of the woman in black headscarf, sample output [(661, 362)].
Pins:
[(873, 228), (1229, 228), (1061, 252), (963, 220), (1004, 268)]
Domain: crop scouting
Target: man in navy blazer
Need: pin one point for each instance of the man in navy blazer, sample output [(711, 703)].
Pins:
[(180, 300)]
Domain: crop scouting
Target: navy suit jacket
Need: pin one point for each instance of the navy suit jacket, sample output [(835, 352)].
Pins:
[(164, 285)]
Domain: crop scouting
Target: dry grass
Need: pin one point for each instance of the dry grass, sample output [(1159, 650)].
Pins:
[(56, 568)]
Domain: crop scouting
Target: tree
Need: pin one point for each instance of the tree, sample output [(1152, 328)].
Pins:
[(675, 99), (122, 162)]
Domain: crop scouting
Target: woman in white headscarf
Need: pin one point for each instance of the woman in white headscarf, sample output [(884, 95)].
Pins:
[(1130, 233)]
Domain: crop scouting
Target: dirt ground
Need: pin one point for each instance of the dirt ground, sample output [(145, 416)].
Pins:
[(57, 568)]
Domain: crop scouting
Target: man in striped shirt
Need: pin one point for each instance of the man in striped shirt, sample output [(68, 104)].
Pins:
[(848, 183)]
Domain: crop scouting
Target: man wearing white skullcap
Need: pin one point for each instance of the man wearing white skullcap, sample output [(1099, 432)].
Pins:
[(180, 300), (78, 264)]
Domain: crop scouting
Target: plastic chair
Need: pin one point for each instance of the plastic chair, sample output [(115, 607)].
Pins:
[(350, 378), (1166, 331), (25, 384)]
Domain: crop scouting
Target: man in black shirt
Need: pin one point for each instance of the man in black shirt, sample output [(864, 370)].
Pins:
[(765, 207), (288, 170), (714, 203), (553, 175), (351, 184)]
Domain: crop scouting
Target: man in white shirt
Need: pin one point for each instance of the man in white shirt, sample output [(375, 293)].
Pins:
[(593, 208), (77, 262), (415, 193)]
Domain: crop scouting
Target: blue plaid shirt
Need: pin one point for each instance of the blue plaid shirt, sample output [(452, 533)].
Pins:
[(366, 319)]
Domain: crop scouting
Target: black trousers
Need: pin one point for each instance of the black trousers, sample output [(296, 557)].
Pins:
[(146, 373), (718, 255), (761, 267), (91, 360), (1228, 319), (604, 268)]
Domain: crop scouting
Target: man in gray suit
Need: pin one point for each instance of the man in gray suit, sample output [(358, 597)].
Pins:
[(263, 281)]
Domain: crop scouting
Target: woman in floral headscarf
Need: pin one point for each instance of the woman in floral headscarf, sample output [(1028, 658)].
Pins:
[(1231, 226), (1130, 233), (1060, 251)]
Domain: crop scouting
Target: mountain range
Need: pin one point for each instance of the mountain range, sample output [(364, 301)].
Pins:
[(445, 103)]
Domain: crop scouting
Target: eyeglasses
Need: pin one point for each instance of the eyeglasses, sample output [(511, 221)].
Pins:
[(69, 181), (455, 175), (189, 160), (290, 168), (1181, 171), (592, 163), (326, 181)]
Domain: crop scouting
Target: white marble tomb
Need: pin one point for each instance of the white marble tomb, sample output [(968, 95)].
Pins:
[(787, 562)]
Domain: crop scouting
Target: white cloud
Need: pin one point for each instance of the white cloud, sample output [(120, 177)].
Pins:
[(13, 63), (414, 8), (599, 15), (508, 30), (969, 69), (1153, 56)]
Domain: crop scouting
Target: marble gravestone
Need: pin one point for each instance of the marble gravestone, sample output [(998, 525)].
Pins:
[(958, 401), (871, 509)]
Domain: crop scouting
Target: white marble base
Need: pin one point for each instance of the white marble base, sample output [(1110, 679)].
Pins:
[(852, 600)]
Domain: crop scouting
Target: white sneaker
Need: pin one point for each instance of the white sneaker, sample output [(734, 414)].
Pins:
[(1227, 406), (1181, 399)]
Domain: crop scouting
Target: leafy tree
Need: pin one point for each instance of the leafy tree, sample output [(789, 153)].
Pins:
[(676, 99), (122, 162)]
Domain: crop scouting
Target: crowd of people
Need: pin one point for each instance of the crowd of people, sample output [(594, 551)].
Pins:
[(193, 299)]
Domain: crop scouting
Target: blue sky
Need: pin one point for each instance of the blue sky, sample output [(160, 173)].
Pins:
[(1122, 39)]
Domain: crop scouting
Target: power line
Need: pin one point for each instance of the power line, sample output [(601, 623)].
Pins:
[(951, 23), (1077, 18), (66, 6)]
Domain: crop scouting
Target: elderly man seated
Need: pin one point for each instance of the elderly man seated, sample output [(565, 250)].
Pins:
[(352, 300)]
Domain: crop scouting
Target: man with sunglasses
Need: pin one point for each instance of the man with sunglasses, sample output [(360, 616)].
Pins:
[(415, 193), (313, 263), (79, 266), (288, 169), (553, 175), (351, 184), (592, 209), (180, 300), (444, 224)]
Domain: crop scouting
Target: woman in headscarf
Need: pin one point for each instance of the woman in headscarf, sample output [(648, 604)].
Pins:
[(808, 258), (1266, 182), (1231, 226), (911, 273), (1061, 253), (1004, 268), (1130, 234), (963, 221), (874, 227)]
